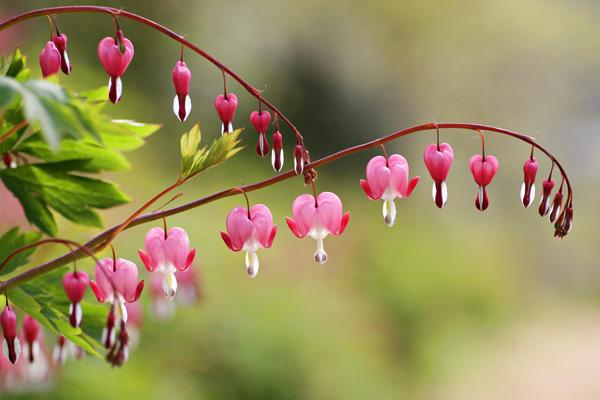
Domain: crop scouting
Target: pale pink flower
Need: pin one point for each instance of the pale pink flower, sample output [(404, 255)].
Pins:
[(250, 231), (167, 253), (318, 218), (387, 179)]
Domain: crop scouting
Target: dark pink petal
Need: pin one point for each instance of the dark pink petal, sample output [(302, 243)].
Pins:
[(138, 291), (292, 225), (189, 259), (367, 189), (100, 295), (227, 241), (146, 261), (271, 237), (344, 223), (411, 185)]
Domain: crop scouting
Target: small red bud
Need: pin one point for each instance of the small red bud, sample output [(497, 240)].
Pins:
[(182, 104), (299, 159), (8, 321), (547, 186), (556, 205), (31, 332), (277, 152), (530, 168), (60, 41), (50, 60)]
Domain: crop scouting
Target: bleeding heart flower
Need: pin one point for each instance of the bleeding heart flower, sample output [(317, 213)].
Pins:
[(530, 168), (189, 286), (115, 62), (162, 308), (261, 120), (547, 186), (60, 353), (182, 104), (277, 152), (438, 160), (60, 41), (75, 284), (226, 107), (11, 346), (483, 169), (50, 60), (298, 159), (118, 353), (167, 253), (116, 283), (387, 179), (31, 333), (318, 218), (250, 230)]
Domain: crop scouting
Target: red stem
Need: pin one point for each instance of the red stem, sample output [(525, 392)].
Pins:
[(158, 27)]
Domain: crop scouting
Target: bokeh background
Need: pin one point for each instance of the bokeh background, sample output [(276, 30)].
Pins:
[(447, 304)]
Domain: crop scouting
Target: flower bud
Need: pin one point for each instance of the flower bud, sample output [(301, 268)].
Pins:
[(226, 107), (547, 186), (75, 283), (31, 332), (50, 60), (556, 205), (182, 104), (530, 168), (277, 152), (483, 169), (115, 58), (60, 41), (11, 347), (298, 159)]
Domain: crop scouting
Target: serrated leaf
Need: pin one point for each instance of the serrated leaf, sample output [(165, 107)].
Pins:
[(12, 240), (194, 160), (42, 186)]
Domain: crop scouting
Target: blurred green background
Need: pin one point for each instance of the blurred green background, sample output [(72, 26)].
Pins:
[(447, 304)]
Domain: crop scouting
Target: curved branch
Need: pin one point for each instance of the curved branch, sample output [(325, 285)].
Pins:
[(160, 28), (99, 242)]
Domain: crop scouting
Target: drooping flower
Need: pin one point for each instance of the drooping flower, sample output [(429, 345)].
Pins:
[(547, 186), (31, 333), (50, 60), (189, 286), (116, 283), (277, 152), (387, 179), (115, 56), (483, 169), (318, 218), (182, 104), (60, 41), (298, 159), (250, 230), (438, 160), (75, 283), (226, 106), (11, 346), (162, 307), (530, 168), (167, 253), (135, 322), (556, 204), (118, 353), (261, 120), (60, 353)]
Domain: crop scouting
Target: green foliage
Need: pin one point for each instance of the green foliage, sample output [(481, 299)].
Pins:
[(194, 160), (11, 240), (70, 135)]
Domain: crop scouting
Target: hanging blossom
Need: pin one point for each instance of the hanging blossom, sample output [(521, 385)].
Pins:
[(189, 286), (545, 202), (530, 167), (162, 307), (75, 283), (116, 283), (115, 55), (261, 120), (31, 333), (11, 346), (250, 230), (167, 253), (317, 218), (226, 106), (438, 160), (50, 60), (182, 104), (483, 168), (60, 41), (387, 179)]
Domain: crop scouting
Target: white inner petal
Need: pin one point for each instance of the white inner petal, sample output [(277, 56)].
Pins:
[(188, 106), (169, 285), (252, 263), (389, 212), (320, 255)]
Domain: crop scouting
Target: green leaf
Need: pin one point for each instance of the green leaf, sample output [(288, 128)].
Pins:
[(18, 67), (99, 158), (124, 135), (194, 160), (13, 240), (42, 186)]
